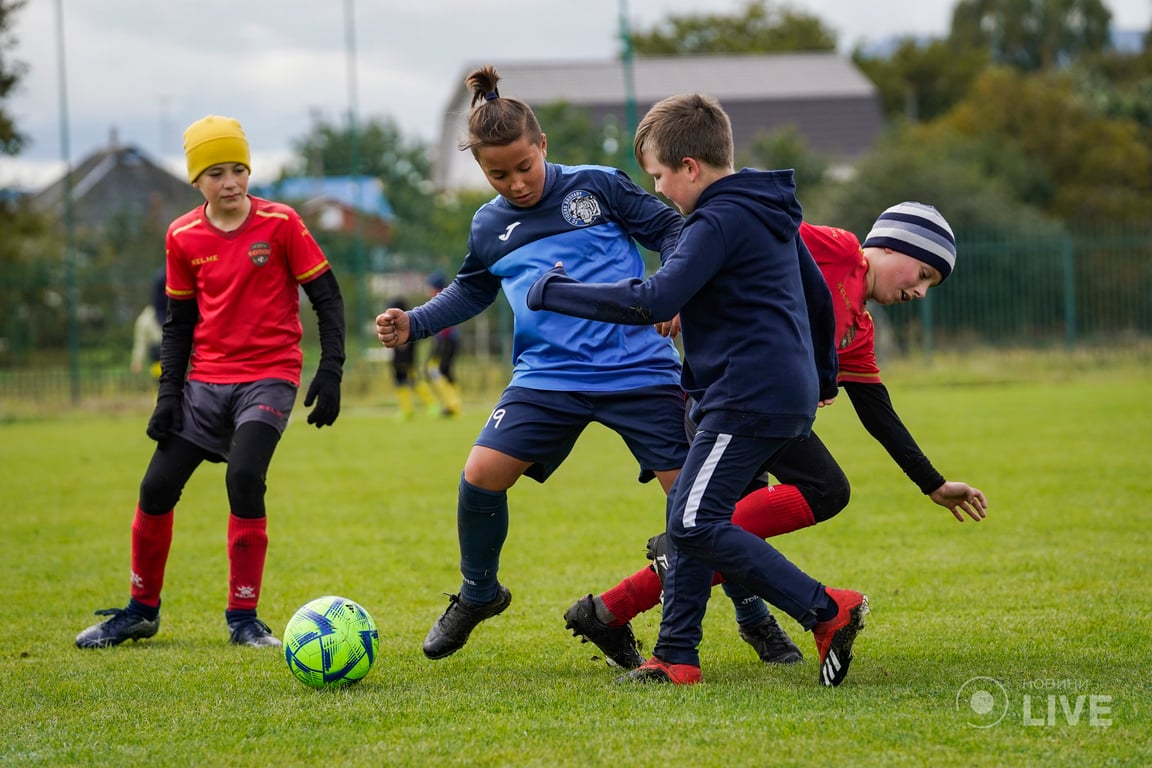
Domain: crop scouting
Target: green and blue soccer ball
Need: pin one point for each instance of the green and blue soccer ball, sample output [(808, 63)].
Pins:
[(330, 642)]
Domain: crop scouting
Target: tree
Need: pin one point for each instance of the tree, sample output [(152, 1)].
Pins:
[(945, 168), (11, 140), (1092, 168), (1119, 84), (1032, 34), (23, 244), (404, 167), (573, 139), (762, 27), (787, 148), (922, 81)]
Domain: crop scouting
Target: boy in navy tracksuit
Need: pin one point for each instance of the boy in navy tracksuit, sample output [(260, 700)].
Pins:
[(746, 291)]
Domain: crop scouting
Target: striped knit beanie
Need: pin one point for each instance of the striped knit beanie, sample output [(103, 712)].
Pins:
[(916, 230)]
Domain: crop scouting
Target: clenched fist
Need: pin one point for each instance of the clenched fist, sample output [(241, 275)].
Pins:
[(392, 327)]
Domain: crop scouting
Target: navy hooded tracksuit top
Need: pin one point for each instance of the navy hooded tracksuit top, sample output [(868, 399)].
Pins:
[(749, 316)]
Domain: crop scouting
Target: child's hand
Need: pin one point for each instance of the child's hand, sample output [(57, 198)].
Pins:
[(392, 327), (669, 328), (960, 498)]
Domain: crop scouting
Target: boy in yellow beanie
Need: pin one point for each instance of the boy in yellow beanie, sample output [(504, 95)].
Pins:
[(213, 140), (230, 369)]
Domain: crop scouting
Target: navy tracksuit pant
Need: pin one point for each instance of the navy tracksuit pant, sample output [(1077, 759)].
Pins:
[(716, 473)]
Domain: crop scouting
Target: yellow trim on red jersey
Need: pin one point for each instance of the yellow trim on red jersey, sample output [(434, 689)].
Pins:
[(188, 226), (312, 272)]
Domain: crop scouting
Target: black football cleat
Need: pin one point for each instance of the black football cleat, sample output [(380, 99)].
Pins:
[(451, 630), (122, 625), (618, 644), (771, 642)]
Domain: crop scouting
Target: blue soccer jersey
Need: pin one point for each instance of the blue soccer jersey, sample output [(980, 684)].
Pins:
[(590, 218)]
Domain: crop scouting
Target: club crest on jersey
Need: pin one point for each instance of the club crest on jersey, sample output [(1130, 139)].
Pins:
[(259, 253), (580, 208), (846, 339)]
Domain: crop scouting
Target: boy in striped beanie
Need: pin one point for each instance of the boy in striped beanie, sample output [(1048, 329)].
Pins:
[(917, 230)]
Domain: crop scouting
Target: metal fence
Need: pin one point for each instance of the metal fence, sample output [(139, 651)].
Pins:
[(65, 338), (1086, 291)]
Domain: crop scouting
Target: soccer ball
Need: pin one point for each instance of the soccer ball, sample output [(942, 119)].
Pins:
[(330, 641)]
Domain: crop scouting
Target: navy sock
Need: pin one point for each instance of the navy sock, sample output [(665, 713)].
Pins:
[(482, 526), (145, 611), (750, 608), (236, 614), (828, 611)]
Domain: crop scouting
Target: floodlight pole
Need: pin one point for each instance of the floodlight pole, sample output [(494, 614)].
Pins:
[(358, 259), (69, 226), (629, 81), (350, 47)]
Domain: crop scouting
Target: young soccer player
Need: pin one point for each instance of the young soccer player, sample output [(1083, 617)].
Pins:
[(567, 373), (909, 250), (738, 278), (231, 364), (405, 374), (147, 332)]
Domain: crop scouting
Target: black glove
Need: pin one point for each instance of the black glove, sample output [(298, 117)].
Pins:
[(325, 392), (167, 418)]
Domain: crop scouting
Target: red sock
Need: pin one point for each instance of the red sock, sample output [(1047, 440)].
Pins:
[(773, 510), (151, 540), (247, 546), (633, 596)]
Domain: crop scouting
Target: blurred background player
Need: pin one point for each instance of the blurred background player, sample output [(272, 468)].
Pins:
[(231, 363), (405, 374), (147, 333), (442, 359)]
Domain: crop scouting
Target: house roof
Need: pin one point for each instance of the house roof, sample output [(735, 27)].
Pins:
[(362, 193), (801, 82), (764, 76), (118, 180)]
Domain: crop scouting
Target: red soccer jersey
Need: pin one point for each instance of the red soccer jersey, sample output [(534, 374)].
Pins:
[(838, 254), (245, 283)]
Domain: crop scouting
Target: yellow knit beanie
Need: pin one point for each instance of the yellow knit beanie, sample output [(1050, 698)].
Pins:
[(213, 140)]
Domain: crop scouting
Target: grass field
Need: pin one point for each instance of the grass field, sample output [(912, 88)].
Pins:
[(1048, 599)]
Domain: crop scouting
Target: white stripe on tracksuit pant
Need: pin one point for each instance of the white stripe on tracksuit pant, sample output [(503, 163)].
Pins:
[(703, 539)]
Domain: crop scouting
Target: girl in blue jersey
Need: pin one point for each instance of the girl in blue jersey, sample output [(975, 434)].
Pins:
[(744, 286), (567, 372)]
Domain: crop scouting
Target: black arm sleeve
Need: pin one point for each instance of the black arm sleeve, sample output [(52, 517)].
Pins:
[(176, 345), (874, 407), (328, 303)]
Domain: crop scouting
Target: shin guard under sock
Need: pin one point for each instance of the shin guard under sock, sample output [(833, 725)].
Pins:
[(772, 511), (750, 609), (482, 527), (247, 549), (632, 596), (151, 540)]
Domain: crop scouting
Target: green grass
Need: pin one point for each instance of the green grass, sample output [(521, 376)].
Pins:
[(1049, 596)]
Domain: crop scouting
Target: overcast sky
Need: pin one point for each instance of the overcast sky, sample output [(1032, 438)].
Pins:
[(148, 69)]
